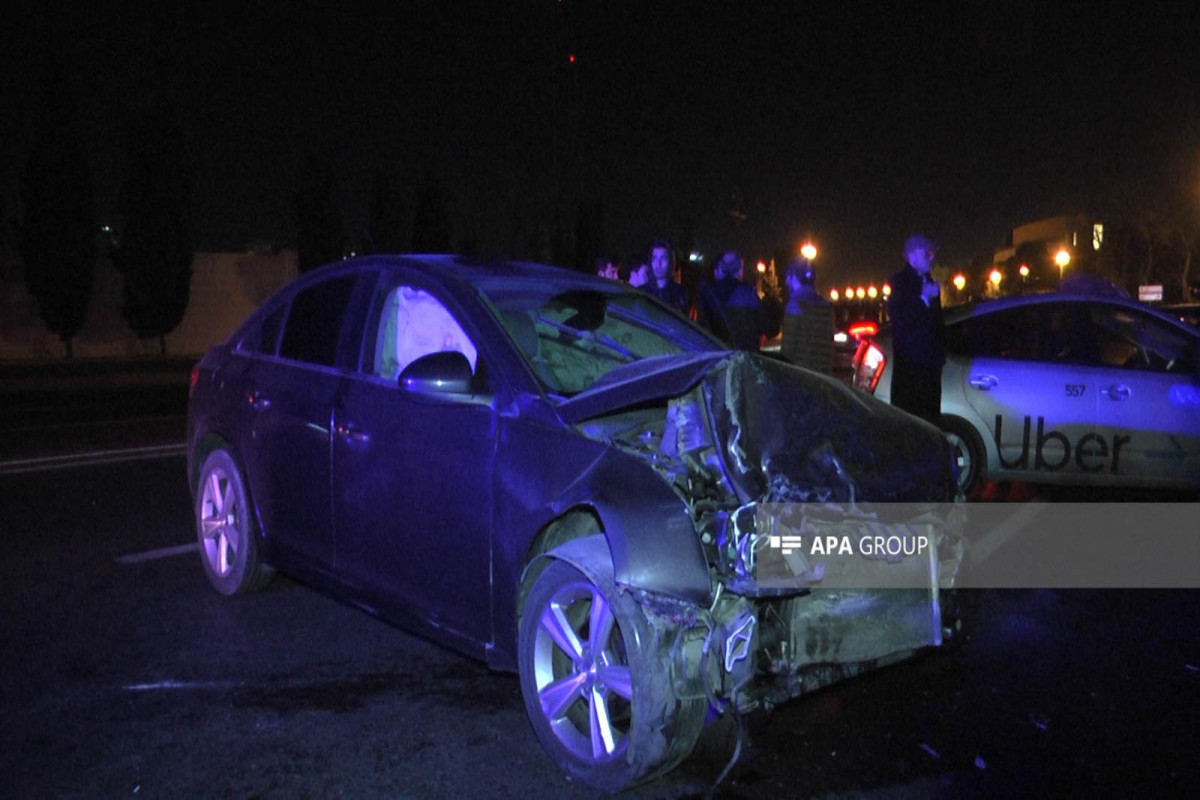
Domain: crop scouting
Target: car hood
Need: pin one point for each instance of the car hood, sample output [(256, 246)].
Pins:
[(643, 381), (779, 433)]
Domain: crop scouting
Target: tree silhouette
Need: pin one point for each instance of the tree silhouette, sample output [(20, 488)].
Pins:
[(431, 221), (385, 223), (319, 238), (56, 238), (154, 254)]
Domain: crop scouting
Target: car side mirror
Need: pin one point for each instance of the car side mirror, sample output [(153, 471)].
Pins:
[(438, 373)]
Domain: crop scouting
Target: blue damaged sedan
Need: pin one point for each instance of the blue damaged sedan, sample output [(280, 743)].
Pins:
[(556, 474)]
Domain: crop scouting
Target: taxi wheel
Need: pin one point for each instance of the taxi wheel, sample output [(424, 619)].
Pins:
[(225, 528), (597, 690), (969, 455)]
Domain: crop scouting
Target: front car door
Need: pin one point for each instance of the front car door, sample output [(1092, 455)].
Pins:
[(412, 472), (1148, 406)]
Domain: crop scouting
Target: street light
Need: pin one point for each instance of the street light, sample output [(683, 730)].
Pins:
[(1024, 270), (872, 292), (1062, 258), (833, 295), (887, 290), (959, 281), (860, 293), (995, 277), (808, 250)]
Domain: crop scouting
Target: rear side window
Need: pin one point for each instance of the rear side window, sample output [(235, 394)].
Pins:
[(264, 337), (315, 322)]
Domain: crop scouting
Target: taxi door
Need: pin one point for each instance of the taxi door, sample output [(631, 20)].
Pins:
[(1027, 379), (1148, 406)]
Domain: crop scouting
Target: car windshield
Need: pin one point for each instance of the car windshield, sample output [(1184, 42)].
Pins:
[(573, 336)]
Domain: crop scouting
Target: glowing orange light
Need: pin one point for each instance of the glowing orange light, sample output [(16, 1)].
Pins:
[(1024, 270), (959, 281), (872, 292), (762, 267), (833, 295), (860, 293), (849, 292), (887, 290), (1062, 257), (808, 250), (995, 276)]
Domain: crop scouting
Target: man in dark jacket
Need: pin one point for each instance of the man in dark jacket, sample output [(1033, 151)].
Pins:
[(738, 304), (918, 352), (808, 324), (662, 285)]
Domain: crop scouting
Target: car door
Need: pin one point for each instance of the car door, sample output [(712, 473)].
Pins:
[(1029, 379), (412, 471), (290, 400), (1149, 401)]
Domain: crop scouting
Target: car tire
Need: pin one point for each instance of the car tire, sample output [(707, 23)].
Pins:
[(608, 715), (225, 528), (969, 453)]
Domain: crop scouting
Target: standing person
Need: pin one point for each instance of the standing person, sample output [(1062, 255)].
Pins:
[(808, 323), (738, 304), (915, 307), (663, 286)]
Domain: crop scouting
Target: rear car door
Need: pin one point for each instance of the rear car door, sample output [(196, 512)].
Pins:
[(286, 443), (1028, 378), (413, 471), (1149, 400)]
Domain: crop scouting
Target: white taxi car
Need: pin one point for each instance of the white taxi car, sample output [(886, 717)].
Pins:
[(1064, 389)]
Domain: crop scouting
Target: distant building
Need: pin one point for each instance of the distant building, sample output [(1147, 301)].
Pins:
[(1037, 246)]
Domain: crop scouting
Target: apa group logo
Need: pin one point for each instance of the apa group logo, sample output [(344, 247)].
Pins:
[(1091, 452)]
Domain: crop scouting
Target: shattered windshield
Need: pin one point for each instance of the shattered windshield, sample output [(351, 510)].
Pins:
[(572, 337)]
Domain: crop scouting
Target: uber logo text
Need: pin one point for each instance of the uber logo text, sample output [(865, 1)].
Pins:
[(1090, 451)]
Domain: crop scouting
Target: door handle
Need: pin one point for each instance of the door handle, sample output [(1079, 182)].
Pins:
[(1116, 392), (984, 382), (258, 401), (353, 435)]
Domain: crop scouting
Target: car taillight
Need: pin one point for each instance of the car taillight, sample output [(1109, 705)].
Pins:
[(859, 330), (869, 362)]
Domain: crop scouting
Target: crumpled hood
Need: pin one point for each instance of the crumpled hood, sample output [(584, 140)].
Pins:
[(785, 434), (790, 435), (640, 382)]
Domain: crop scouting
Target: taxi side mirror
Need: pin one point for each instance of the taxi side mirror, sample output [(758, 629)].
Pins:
[(438, 373)]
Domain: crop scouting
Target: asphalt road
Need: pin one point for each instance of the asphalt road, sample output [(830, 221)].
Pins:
[(126, 675)]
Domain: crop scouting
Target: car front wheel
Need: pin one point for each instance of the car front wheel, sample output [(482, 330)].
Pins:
[(596, 686), (225, 527)]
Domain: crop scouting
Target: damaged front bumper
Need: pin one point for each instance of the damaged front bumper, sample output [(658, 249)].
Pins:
[(808, 594)]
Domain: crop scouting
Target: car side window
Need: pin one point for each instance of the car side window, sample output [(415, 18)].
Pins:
[(1131, 340), (409, 322), (314, 322), (263, 338)]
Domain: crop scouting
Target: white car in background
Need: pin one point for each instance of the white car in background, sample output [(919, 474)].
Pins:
[(1063, 389)]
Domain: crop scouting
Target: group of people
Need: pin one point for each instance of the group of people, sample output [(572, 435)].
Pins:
[(731, 309)]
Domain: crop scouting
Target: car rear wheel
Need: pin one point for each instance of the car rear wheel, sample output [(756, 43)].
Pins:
[(596, 688), (225, 528), (969, 455)]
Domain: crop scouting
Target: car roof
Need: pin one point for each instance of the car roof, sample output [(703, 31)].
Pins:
[(472, 269), (961, 312)]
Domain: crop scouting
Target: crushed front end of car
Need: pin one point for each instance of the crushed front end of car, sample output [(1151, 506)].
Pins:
[(829, 522)]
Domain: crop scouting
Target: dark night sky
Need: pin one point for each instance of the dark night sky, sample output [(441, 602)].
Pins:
[(840, 121)]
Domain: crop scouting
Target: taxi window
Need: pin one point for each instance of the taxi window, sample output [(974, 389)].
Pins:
[(1132, 340)]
